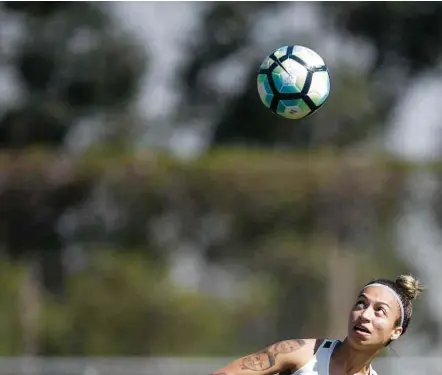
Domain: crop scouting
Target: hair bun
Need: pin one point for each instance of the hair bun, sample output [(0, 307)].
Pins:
[(410, 286)]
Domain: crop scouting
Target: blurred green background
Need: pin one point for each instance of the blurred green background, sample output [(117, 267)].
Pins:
[(151, 206)]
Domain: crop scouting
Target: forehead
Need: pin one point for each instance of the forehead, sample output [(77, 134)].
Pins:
[(381, 294)]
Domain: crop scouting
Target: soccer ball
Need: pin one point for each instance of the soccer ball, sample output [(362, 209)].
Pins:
[(293, 82)]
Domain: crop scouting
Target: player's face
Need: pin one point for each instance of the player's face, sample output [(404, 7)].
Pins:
[(373, 319)]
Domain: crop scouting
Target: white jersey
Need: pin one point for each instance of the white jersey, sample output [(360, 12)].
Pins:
[(319, 364)]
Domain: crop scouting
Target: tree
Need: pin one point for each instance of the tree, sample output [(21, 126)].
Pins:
[(405, 35), (72, 63), (351, 114)]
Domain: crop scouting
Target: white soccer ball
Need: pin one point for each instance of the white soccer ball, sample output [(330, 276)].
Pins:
[(293, 82)]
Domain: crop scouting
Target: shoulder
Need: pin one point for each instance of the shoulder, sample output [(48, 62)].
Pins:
[(295, 345), (297, 351)]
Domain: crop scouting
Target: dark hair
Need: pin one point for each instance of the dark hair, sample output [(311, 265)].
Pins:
[(408, 288)]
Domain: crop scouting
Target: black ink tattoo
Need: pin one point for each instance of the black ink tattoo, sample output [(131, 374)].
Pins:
[(266, 359), (288, 346), (259, 361)]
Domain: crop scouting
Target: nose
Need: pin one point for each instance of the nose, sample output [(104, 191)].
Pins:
[(366, 314)]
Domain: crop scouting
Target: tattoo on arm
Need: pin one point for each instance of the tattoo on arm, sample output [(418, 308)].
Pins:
[(266, 359), (259, 361), (288, 346)]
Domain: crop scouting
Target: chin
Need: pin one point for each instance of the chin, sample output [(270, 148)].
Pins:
[(362, 343)]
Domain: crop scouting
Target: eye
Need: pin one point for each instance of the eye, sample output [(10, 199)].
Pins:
[(382, 310), (360, 304)]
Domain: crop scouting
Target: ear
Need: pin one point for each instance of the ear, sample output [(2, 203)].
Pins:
[(397, 332)]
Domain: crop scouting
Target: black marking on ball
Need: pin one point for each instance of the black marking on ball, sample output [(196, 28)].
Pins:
[(289, 96), (308, 83), (300, 61), (287, 55), (275, 59), (290, 51), (275, 100), (309, 102), (322, 68)]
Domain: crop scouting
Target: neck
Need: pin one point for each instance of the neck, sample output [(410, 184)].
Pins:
[(351, 360)]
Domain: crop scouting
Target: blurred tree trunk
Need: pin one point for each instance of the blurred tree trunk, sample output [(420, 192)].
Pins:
[(340, 286), (30, 297)]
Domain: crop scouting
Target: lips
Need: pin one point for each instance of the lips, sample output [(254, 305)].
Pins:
[(362, 330)]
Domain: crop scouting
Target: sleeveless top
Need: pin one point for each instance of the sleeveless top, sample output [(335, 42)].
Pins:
[(319, 364)]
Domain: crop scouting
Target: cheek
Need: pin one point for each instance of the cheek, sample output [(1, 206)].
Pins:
[(353, 315), (383, 325)]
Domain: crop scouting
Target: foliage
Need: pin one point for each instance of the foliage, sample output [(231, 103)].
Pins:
[(278, 230), (123, 304), (276, 215), (72, 63), (10, 325), (404, 34)]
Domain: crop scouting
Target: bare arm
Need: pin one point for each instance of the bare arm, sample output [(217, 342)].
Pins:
[(276, 358)]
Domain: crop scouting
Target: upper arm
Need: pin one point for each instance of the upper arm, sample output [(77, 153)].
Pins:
[(283, 355)]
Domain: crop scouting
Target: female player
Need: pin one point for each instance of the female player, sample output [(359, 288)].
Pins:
[(381, 314)]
